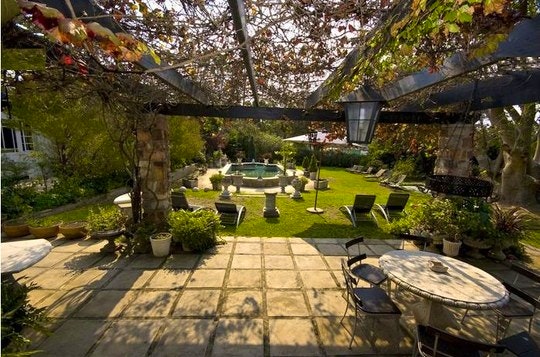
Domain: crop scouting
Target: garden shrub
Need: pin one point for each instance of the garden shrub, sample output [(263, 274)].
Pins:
[(17, 314), (198, 230)]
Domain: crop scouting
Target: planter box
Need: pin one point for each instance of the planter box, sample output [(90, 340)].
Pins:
[(190, 183), (44, 232), (320, 185)]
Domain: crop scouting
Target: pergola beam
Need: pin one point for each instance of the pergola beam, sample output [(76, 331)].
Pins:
[(238, 12), (86, 8), (296, 114), (510, 89), (522, 42)]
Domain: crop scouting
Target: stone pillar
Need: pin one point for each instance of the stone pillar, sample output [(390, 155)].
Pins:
[(226, 182), (270, 210), (154, 163), (456, 148)]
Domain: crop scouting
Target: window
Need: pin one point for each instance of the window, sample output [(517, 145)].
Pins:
[(27, 142), (9, 141)]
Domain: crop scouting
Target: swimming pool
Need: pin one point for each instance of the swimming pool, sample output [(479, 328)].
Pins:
[(256, 174)]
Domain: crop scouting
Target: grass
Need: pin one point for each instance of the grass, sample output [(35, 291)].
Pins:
[(295, 221)]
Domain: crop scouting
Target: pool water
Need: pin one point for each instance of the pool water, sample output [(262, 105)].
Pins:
[(254, 170)]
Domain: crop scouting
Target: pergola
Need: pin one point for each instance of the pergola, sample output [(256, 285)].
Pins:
[(425, 96), (239, 50)]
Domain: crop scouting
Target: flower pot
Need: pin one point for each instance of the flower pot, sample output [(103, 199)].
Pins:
[(73, 230), (14, 230), (161, 244), (313, 175), (44, 232), (320, 184), (450, 248)]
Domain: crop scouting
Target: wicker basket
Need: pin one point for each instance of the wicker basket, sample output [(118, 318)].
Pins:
[(459, 186)]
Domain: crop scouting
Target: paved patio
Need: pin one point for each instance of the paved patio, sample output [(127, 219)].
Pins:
[(248, 297)]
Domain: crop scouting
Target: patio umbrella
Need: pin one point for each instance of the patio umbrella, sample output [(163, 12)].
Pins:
[(321, 139)]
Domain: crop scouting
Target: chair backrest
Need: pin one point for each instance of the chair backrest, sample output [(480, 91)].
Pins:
[(356, 259), (400, 179), (350, 280), (523, 270), (355, 241), (179, 201), (369, 170), (363, 203), (534, 301), (435, 342), (224, 207), (397, 201), (419, 239), (380, 172)]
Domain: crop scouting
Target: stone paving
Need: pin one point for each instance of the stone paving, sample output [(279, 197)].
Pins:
[(248, 297)]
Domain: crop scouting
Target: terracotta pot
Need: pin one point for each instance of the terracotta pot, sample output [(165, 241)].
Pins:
[(14, 230), (44, 232), (73, 230)]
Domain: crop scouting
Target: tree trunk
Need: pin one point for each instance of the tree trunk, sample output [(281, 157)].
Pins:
[(517, 188), (515, 128)]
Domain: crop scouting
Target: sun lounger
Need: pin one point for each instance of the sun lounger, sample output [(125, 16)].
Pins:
[(395, 205), (362, 207)]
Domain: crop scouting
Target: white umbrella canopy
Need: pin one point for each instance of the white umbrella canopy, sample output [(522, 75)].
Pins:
[(321, 139)]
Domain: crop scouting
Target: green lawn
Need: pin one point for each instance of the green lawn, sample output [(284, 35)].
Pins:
[(295, 221)]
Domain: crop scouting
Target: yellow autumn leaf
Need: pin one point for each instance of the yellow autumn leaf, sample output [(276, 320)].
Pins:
[(74, 31), (102, 33), (494, 6)]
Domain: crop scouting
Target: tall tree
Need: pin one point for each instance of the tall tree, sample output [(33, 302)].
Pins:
[(518, 130)]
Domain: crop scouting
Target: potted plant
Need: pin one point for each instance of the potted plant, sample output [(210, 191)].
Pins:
[(216, 180), (191, 181), (303, 182), (313, 167), (508, 229), (161, 244), (195, 231), (16, 228), (45, 227), (451, 240), (106, 221), (305, 165), (74, 230), (140, 237)]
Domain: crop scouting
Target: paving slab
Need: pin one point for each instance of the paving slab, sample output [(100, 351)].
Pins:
[(239, 337), (197, 303), (169, 279), (286, 303), (282, 279), (243, 303), (85, 333), (244, 278), (278, 262), (184, 337), (293, 337), (248, 297), (107, 303), (206, 278), (127, 338)]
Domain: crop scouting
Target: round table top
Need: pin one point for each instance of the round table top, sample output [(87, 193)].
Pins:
[(19, 255), (462, 285)]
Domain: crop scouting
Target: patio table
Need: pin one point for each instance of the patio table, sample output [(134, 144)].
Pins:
[(462, 285), (19, 255)]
